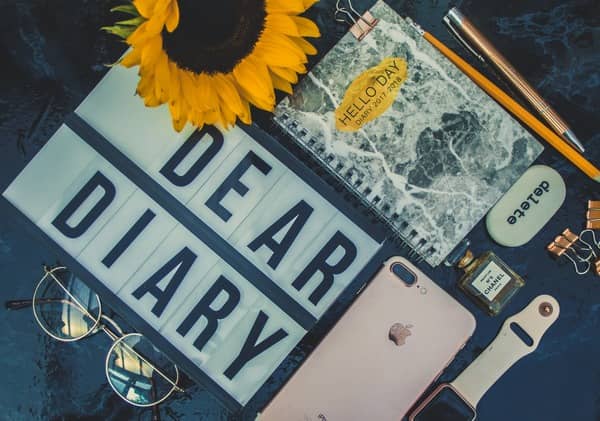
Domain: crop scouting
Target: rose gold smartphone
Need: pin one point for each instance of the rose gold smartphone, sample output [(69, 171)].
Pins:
[(392, 343)]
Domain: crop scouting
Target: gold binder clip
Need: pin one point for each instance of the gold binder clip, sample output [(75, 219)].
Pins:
[(571, 246), (579, 246), (593, 215), (360, 25), (596, 267)]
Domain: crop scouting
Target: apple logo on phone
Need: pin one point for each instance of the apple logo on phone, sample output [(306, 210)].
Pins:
[(399, 332)]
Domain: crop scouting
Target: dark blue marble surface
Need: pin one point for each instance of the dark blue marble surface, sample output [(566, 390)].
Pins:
[(53, 54)]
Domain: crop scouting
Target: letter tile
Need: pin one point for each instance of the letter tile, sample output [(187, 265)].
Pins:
[(316, 289), (57, 166), (232, 332), (286, 194), (135, 249), (178, 277), (239, 184), (95, 204)]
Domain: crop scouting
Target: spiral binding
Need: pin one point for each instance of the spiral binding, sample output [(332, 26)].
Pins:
[(375, 207)]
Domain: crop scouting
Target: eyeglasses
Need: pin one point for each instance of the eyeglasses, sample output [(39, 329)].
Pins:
[(68, 310)]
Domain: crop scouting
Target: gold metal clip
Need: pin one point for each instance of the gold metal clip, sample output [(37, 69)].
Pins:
[(593, 215), (574, 248)]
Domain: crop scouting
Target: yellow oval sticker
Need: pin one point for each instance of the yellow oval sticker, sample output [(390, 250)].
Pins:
[(371, 94)]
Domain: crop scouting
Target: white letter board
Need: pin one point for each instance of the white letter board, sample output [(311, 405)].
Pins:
[(234, 216)]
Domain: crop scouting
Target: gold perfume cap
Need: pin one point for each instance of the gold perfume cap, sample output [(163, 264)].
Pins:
[(466, 259)]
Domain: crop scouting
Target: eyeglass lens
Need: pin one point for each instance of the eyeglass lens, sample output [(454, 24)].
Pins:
[(138, 372), (65, 307)]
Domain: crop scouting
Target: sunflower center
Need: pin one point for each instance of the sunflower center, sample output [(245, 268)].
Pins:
[(214, 35)]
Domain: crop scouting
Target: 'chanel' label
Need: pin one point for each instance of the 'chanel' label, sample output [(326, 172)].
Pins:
[(491, 281)]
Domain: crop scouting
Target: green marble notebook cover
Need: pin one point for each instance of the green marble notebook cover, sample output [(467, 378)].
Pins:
[(427, 150)]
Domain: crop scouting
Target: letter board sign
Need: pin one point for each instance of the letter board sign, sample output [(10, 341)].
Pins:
[(219, 246)]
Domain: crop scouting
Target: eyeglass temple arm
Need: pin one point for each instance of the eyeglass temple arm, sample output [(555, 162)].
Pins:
[(155, 410), (21, 304), (17, 304)]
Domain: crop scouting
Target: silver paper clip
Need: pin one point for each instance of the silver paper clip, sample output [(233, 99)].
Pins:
[(572, 247), (360, 25), (596, 242)]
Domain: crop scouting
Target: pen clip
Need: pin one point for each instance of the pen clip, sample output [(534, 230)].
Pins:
[(450, 26), (415, 26)]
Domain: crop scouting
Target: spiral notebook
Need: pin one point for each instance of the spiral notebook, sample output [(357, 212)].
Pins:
[(416, 141)]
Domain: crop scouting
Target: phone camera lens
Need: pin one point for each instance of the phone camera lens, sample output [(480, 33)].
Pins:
[(404, 274)]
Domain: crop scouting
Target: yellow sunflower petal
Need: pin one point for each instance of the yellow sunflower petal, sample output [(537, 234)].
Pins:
[(188, 87), (281, 84), (306, 46), (173, 16), (252, 75), (161, 7), (152, 51), (299, 68), (228, 116), (245, 116), (211, 116), (152, 101), (145, 89), (196, 118), (139, 36), (306, 27), (179, 124), (155, 24), (295, 26), (144, 7), (176, 109), (285, 6), (162, 78), (206, 95), (286, 47), (281, 23), (228, 93), (145, 86), (257, 101), (285, 73), (273, 56), (174, 81), (132, 58), (159, 16)]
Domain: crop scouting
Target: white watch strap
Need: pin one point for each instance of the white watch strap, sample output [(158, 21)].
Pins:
[(506, 349)]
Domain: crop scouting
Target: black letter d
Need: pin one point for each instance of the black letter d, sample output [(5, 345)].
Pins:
[(97, 181)]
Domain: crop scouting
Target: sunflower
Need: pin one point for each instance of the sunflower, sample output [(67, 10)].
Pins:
[(210, 60)]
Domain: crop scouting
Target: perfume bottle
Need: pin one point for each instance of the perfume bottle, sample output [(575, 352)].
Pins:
[(487, 280)]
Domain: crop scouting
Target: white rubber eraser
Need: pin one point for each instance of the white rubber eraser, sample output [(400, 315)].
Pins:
[(526, 207)]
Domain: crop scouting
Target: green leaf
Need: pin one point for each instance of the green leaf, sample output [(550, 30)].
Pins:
[(118, 30), (131, 22), (128, 9)]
